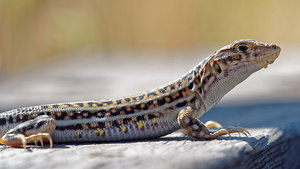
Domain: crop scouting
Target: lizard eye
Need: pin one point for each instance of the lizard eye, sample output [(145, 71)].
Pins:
[(242, 48), (217, 67)]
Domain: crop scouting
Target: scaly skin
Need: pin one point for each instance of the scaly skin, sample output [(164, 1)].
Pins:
[(147, 115)]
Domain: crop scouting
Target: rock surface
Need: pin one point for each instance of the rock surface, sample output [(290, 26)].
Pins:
[(262, 104), (271, 146)]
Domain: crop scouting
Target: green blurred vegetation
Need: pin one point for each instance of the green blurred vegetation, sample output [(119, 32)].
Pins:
[(33, 30)]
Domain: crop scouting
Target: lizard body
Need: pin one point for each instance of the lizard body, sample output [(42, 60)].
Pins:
[(150, 114)]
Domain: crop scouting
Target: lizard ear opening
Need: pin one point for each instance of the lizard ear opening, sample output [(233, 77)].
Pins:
[(217, 68)]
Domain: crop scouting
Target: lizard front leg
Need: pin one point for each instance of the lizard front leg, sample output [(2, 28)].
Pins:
[(196, 129), (38, 128)]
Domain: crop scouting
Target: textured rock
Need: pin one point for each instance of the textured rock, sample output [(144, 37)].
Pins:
[(268, 147)]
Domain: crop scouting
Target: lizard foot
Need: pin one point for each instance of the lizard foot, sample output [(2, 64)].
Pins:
[(34, 130), (19, 140), (196, 129)]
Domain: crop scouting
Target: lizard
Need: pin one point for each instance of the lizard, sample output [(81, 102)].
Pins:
[(151, 114)]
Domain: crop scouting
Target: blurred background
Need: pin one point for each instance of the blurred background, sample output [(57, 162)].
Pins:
[(53, 50), (33, 30)]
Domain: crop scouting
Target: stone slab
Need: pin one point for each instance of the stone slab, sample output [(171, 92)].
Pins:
[(269, 147)]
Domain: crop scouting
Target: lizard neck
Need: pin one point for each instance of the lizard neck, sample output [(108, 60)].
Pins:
[(211, 87)]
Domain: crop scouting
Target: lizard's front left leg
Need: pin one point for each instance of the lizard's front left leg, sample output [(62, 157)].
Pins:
[(195, 128), (32, 130)]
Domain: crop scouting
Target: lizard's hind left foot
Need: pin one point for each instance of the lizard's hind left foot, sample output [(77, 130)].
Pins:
[(32, 130)]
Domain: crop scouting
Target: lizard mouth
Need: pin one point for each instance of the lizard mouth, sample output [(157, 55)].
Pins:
[(276, 51), (270, 60), (266, 59)]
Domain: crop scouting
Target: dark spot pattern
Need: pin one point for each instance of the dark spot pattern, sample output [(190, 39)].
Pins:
[(127, 99), (200, 90), (39, 124), (162, 90), (151, 116), (221, 55), (108, 102), (61, 117), (11, 119), (29, 126), (191, 85), (115, 123), (70, 127), (2, 121), (172, 86), (161, 101), (151, 94), (207, 78), (119, 101), (138, 107), (182, 104), (90, 103), (80, 104), (44, 107), (69, 105), (126, 120), (55, 106), (142, 97), (140, 118)]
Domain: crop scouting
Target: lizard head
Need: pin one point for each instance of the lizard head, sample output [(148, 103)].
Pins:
[(232, 64), (245, 55)]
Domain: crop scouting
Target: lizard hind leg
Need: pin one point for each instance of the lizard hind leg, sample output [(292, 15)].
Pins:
[(36, 129), (196, 129), (40, 137)]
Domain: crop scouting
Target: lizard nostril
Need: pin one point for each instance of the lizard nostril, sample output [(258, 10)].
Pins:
[(274, 46)]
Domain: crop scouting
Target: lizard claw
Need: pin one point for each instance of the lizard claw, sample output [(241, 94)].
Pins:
[(238, 130)]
